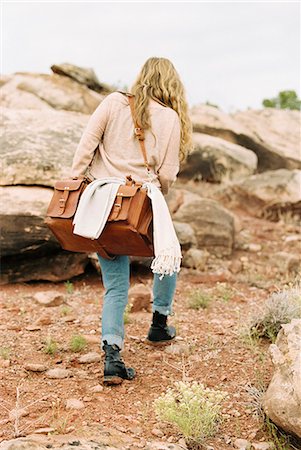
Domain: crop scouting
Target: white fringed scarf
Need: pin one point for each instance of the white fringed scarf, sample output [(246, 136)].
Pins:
[(94, 208)]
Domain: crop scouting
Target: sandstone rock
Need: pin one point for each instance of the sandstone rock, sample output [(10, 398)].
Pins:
[(22, 213), (74, 403), (262, 446), (267, 194), (286, 262), (213, 121), (185, 234), (140, 297), (22, 444), (195, 259), (89, 358), (213, 225), (82, 75), (49, 298), (35, 367), (242, 444), (271, 133), (157, 432), (43, 91), (217, 160), (97, 388), (282, 400), (274, 135), (59, 266), (40, 149), (58, 373)]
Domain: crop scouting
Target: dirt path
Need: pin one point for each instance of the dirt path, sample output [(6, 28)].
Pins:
[(209, 349)]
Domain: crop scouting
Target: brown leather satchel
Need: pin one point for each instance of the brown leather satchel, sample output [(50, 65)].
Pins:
[(129, 228)]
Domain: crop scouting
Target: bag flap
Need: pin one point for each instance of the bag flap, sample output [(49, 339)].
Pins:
[(127, 191), (68, 185)]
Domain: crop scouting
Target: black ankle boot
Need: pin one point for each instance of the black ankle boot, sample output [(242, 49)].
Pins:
[(115, 370), (159, 332)]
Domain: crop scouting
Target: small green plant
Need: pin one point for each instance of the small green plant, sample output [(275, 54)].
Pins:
[(50, 346), (4, 352), (69, 287), (65, 310), (280, 308), (223, 292), (280, 440), (199, 299), (126, 314), (78, 343), (194, 409)]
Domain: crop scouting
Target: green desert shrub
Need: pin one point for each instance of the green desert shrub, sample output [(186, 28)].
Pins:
[(280, 308), (194, 409), (199, 299), (50, 346), (78, 343)]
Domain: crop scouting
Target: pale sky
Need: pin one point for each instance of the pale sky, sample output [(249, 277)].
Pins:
[(232, 54)]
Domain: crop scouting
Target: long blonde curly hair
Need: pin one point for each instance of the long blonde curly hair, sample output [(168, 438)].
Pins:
[(159, 80)]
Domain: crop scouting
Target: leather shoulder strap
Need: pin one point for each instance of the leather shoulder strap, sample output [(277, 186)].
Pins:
[(139, 132)]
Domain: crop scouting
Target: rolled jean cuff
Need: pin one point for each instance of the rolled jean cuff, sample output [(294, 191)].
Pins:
[(113, 339), (162, 310)]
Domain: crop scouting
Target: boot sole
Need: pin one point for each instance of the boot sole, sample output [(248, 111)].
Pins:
[(112, 380)]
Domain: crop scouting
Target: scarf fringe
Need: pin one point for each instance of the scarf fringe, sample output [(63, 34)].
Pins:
[(166, 265)]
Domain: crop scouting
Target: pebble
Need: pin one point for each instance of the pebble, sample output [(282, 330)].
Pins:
[(74, 403), (4, 363), (89, 358), (49, 298), (262, 445), (97, 388), (58, 373), (45, 430), (157, 432), (254, 247), (242, 444), (33, 327), (35, 367)]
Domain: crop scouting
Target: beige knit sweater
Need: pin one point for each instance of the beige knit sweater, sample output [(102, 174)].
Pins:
[(110, 131)]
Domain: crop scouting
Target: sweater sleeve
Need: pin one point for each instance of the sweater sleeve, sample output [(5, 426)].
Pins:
[(169, 168), (90, 138)]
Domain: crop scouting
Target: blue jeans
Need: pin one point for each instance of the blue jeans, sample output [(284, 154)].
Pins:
[(116, 280)]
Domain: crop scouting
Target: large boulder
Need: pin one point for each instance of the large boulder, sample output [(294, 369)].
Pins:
[(37, 148), (276, 134), (215, 159), (213, 225), (282, 400), (22, 212), (57, 266), (271, 133), (28, 248), (82, 75), (267, 194), (43, 91)]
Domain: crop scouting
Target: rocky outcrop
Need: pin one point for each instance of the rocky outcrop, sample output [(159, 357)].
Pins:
[(40, 149), (268, 194), (82, 75), (271, 133), (215, 159), (213, 225), (22, 212), (282, 400), (43, 91), (58, 266), (29, 250)]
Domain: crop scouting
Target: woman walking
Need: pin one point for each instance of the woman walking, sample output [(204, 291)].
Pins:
[(109, 142)]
